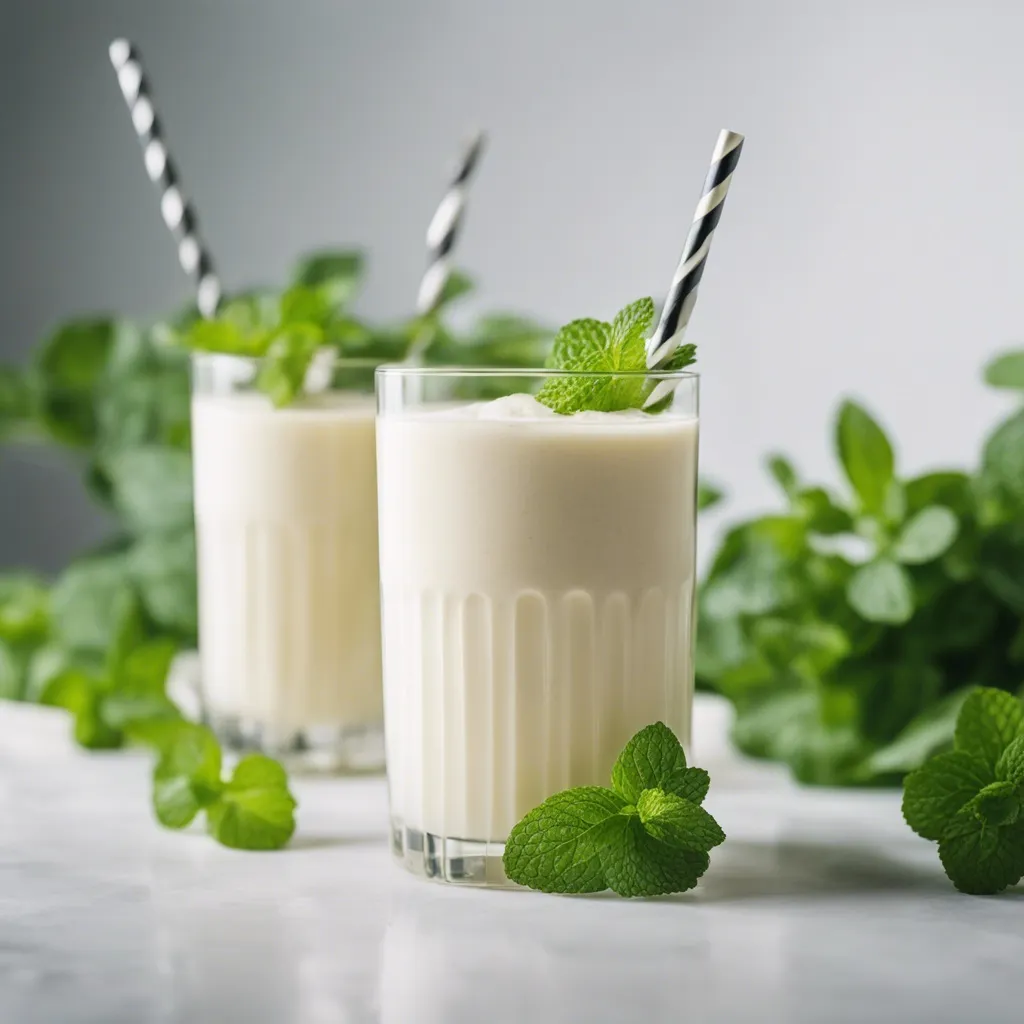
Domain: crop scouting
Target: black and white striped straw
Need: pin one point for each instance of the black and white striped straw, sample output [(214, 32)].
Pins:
[(668, 335), (444, 230), (178, 213)]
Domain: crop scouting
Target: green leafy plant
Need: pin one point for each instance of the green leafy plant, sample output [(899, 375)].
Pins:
[(646, 836), (970, 799), (848, 628), (611, 358)]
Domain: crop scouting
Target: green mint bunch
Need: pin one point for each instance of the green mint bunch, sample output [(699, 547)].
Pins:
[(286, 330), (848, 625), (971, 799), (646, 836), (596, 347), (251, 810)]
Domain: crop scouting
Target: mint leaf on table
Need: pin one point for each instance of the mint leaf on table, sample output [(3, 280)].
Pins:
[(654, 759), (187, 776), (253, 810), (942, 787), (640, 865), (1010, 767), (601, 350), (988, 723), (678, 822), (981, 859), (557, 846), (971, 799), (646, 836)]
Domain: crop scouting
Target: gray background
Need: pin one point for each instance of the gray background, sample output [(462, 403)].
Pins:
[(872, 243)]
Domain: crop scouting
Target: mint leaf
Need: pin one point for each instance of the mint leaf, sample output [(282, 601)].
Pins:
[(684, 356), (151, 487), (92, 603), (301, 305), (557, 846), (632, 322), (255, 810), (226, 335), (24, 609), (579, 344), (640, 865), (187, 776), (997, 804), (163, 568), (784, 474), (940, 788), (866, 456), (881, 591), (1002, 462), (678, 822), (926, 536), (613, 354), (336, 275), (457, 285), (1006, 371), (654, 759), (981, 859), (1011, 764), (708, 496), (284, 367), (989, 722), (646, 836), (69, 367)]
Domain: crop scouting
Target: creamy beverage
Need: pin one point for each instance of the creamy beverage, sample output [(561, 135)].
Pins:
[(286, 522), (537, 576)]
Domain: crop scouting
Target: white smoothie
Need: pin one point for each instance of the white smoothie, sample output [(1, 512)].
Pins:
[(537, 577), (286, 522)]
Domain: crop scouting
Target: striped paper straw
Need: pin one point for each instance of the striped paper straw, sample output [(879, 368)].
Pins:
[(178, 213), (444, 230), (683, 294)]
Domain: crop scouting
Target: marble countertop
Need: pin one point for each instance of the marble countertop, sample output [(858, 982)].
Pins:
[(821, 907)]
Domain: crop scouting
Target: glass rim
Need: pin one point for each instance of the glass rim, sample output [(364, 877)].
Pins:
[(337, 359), (408, 370)]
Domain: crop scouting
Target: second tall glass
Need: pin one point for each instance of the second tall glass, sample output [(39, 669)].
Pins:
[(286, 525)]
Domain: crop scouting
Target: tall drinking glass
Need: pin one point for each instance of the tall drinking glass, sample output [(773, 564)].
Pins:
[(286, 526), (537, 581)]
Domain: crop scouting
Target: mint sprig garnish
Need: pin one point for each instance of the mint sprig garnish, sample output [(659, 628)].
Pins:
[(596, 347), (971, 799), (646, 836), (252, 810)]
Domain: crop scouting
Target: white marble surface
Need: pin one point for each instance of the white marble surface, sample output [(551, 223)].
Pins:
[(821, 907)]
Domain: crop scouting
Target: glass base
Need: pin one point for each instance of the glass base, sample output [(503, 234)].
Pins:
[(333, 750), (447, 859)]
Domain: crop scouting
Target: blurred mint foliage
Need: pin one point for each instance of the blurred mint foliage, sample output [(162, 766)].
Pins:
[(115, 394), (848, 628)]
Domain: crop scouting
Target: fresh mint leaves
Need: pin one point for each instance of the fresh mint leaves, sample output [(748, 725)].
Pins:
[(613, 358), (848, 624), (970, 799), (252, 810), (646, 836)]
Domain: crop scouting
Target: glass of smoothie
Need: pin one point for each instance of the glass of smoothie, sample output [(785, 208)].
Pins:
[(286, 528), (537, 582)]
